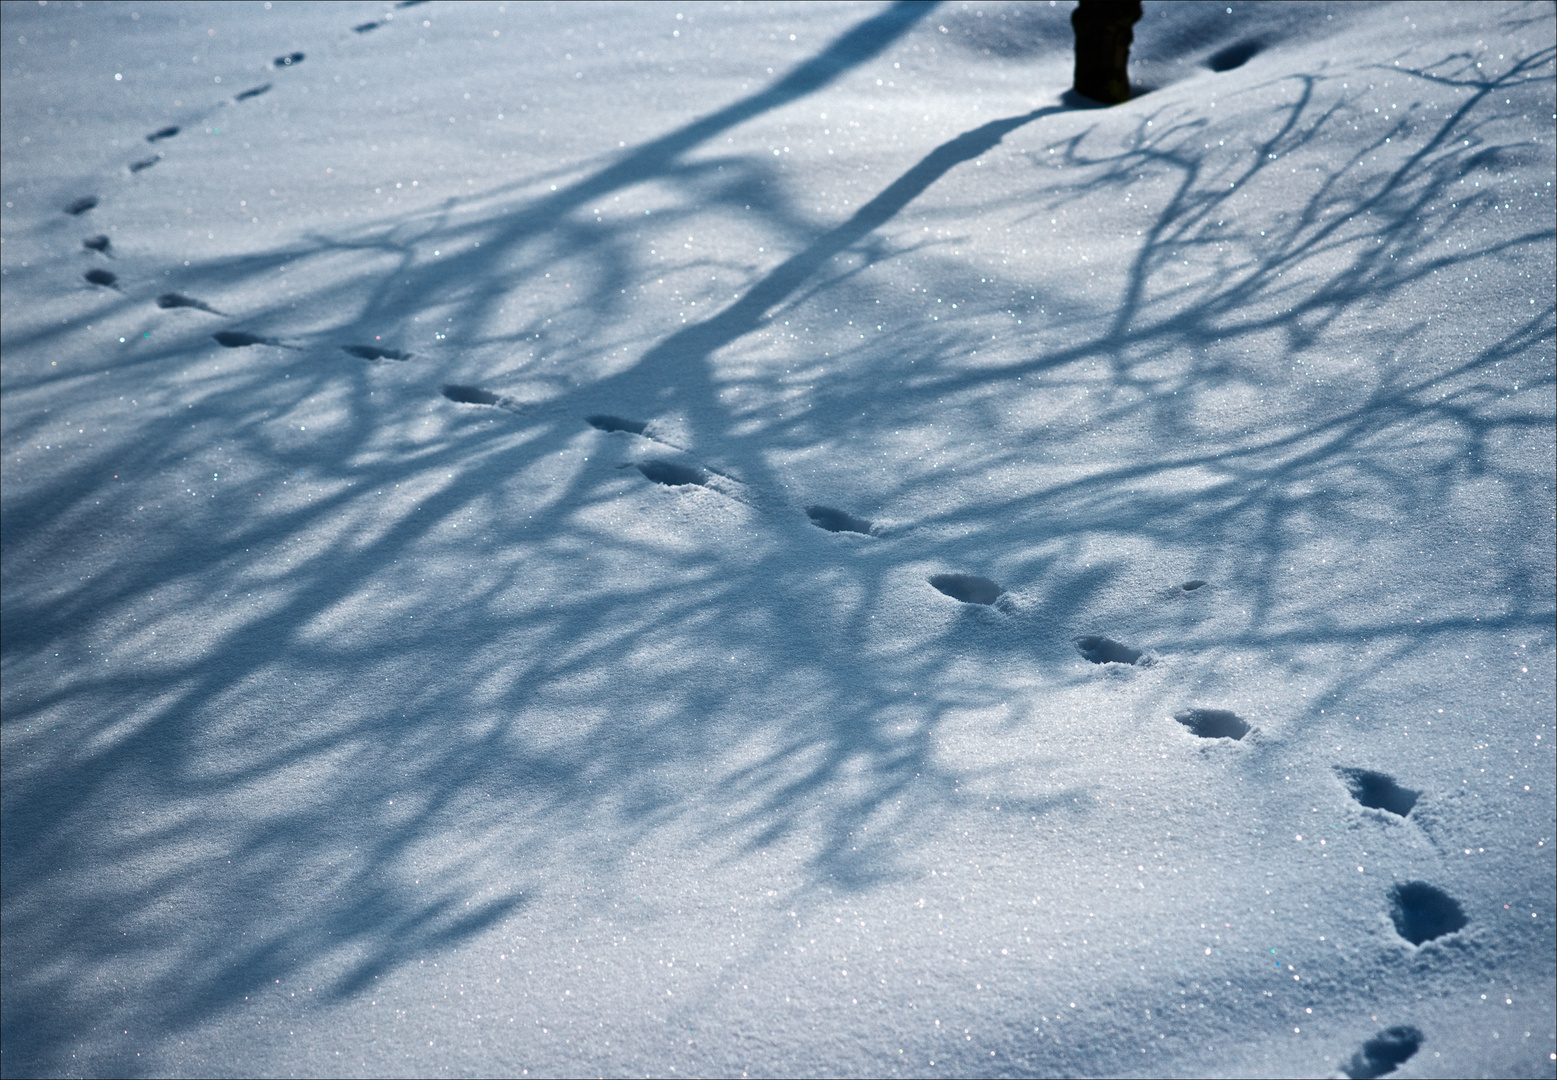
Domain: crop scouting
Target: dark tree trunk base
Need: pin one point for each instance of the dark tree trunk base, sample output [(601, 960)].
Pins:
[(1103, 37)]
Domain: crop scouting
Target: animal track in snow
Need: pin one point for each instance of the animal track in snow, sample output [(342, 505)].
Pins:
[(98, 243), (825, 517), (1191, 586), (1234, 56), (607, 422), (1377, 791), (289, 59), (363, 28), (1213, 723), (469, 395), (101, 277), (374, 352), (969, 588), (1102, 650), (145, 163), (252, 92), (237, 339), (474, 395), (164, 133), (80, 206), (1423, 912), (673, 475), (1384, 1053), (179, 300)]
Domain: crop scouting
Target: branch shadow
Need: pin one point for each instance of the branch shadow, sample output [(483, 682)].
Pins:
[(281, 800)]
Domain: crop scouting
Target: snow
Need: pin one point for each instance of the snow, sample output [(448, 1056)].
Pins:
[(525, 657)]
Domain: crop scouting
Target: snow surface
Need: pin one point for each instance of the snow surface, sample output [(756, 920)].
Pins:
[(367, 715)]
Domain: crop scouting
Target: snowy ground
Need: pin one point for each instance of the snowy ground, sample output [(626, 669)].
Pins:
[(369, 710)]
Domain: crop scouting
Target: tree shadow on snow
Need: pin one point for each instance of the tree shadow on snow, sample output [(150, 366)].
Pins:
[(283, 798)]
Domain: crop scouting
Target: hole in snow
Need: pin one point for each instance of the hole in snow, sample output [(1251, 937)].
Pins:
[(373, 352), (1377, 791), (100, 277), (1213, 723), (1234, 56), (607, 422), (163, 133), (179, 300), (253, 92), (145, 163), (289, 59), (968, 588), (825, 517), (363, 28), (471, 395), (1384, 1053), (81, 205), (1191, 586), (1102, 650), (1422, 912), (672, 475), (237, 339), (97, 243)]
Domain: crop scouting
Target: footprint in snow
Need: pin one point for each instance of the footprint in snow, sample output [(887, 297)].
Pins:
[(179, 300), (1183, 591), (611, 423), (375, 352), (252, 92), (98, 243), (474, 395), (289, 59), (1384, 1053), (671, 474), (164, 133), (1423, 912), (1102, 650), (145, 163), (80, 206), (826, 517), (237, 339), (968, 588), (103, 278), (1378, 791), (363, 28), (1234, 56), (1214, 723), (607, 422)]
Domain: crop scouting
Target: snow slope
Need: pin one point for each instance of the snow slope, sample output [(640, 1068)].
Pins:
[(370, 709)]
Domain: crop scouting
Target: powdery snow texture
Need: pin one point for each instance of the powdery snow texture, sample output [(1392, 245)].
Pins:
[(772, 539)]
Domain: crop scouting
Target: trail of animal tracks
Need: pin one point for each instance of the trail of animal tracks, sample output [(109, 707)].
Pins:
[(609, 540)]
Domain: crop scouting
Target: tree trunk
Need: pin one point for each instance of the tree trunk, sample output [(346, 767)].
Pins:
[(1103, 38)]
